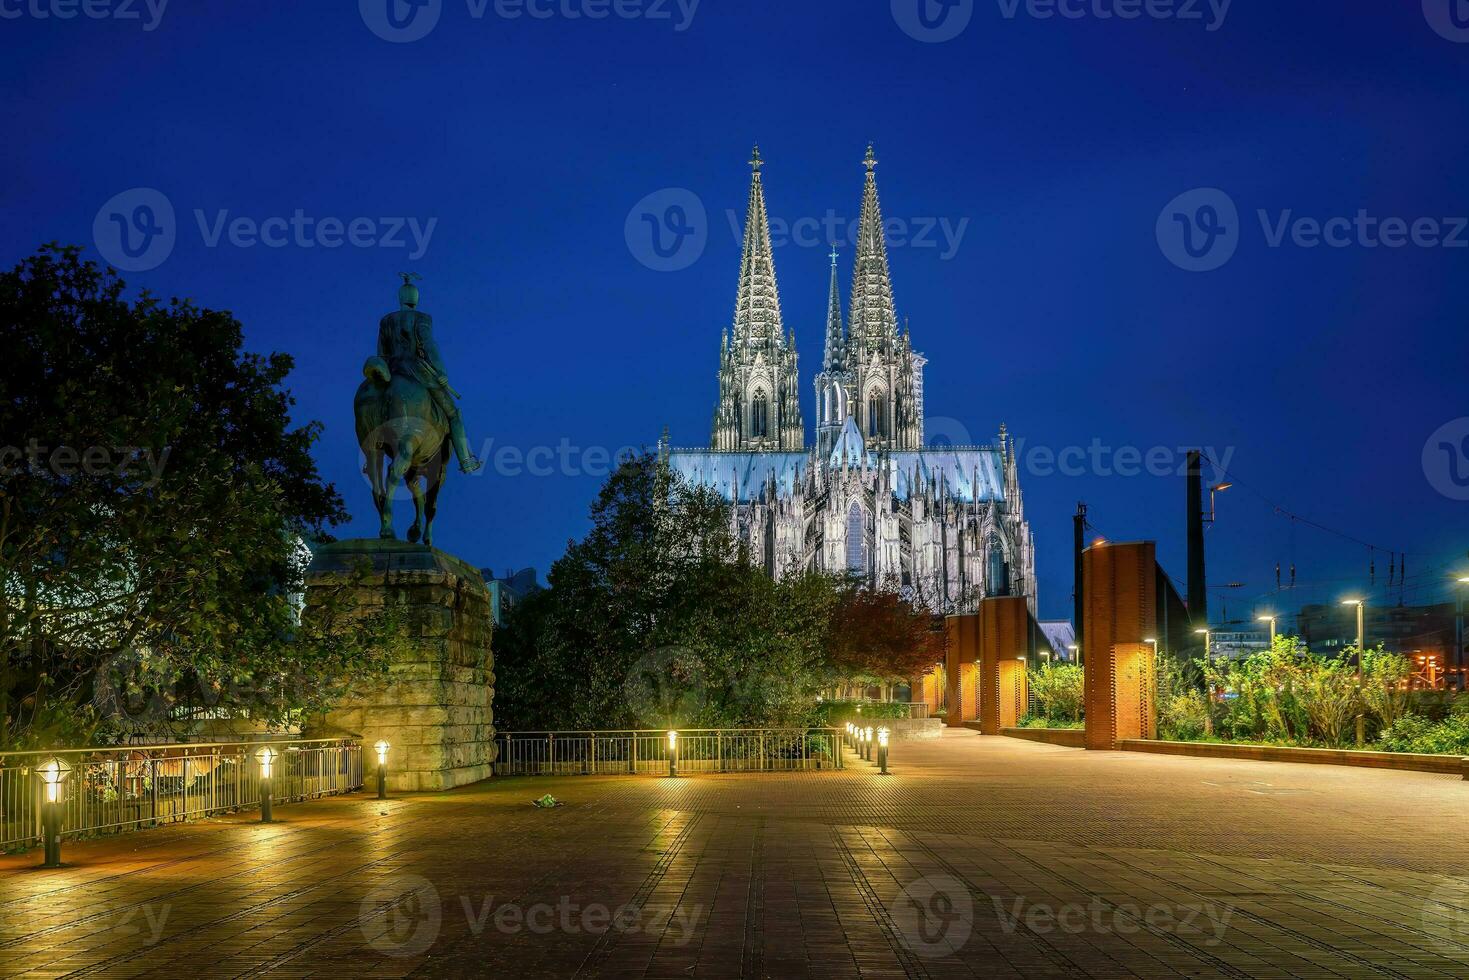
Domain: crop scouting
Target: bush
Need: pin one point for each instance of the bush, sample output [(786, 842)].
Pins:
[(1060, 692), (1040, 721), (840, 712), (1182, 716), (1415, 733)]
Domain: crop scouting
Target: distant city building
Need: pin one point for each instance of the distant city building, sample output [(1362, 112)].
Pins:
[(1226, 645), (1400, 629), (1060, 636), (944, 525), (508, 589)]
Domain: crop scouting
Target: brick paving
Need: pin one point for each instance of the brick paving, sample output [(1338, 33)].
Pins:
[(979, 857)]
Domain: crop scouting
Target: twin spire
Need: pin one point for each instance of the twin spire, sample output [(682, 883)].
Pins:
[(874, 320)]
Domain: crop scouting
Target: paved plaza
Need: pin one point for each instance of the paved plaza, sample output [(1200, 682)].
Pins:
[(979, 857)]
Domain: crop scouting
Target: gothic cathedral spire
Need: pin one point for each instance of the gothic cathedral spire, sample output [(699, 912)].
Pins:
[(759, 399), (874, 320), (885, 373)]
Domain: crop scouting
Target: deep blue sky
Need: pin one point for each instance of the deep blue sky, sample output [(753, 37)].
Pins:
[(1059, 142)]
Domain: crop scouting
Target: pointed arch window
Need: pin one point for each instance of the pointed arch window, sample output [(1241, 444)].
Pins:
[(760, 416), (875, 421), (856, 540), (999, 570)]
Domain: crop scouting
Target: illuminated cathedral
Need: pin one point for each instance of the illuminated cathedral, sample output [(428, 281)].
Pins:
[(945, 525)]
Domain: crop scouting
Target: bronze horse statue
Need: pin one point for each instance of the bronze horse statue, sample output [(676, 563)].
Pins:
[(397, 419)]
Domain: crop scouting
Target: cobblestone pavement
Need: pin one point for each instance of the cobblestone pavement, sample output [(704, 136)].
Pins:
[(979, 857)]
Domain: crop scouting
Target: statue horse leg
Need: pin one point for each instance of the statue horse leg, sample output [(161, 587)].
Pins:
[(415, 487), (399, 473), (437, 468), (380, 496)]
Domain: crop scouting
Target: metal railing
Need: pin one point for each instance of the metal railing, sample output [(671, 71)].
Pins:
[(650, 752), (111, 790)]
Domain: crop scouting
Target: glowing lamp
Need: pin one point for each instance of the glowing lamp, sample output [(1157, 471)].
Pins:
[(53, 774)]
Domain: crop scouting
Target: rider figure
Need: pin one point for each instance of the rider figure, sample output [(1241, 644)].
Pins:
[(405, 339)]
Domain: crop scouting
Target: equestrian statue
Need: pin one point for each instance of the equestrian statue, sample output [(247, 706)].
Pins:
[(406, 414)]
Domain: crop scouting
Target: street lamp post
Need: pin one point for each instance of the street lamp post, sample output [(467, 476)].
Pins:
[(1208, 688), (1361, 605), (882, 751), (1075, 653), (52, 774), (1459, 630), (1205, 633), (1271, 621), (673, 753)]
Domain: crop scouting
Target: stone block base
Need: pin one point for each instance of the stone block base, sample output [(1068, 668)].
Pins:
[(434, 704)]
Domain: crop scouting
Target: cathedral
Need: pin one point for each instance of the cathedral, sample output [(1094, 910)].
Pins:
[(944, 525)]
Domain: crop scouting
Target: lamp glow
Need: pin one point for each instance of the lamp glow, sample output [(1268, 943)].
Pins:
[(882, 737), (266, 755), (382, 747), (53, 774)]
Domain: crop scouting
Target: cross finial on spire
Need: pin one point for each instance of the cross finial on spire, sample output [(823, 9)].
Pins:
[(833, 255), (870, 161), (755, 162)]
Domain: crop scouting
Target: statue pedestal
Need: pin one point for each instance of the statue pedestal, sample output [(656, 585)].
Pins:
[(434, 704)]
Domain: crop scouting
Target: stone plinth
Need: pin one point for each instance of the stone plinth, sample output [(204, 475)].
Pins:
[(434, 704)]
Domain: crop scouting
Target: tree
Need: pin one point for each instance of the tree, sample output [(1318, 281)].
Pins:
[(656, 619), (154, 495), (880, 635)]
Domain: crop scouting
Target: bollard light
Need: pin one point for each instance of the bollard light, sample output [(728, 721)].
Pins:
[(382, 747), (53, 774), (882, 751), (673, 753), (266, 756), (867, 739)]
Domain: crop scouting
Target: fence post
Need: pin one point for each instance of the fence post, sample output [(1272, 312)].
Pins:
[(719, 751), (589, 761), (632, 755)]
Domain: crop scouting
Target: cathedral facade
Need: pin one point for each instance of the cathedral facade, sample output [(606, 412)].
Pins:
[(945, 525)]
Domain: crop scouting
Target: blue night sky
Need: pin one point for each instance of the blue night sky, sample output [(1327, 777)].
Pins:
[(1049, 146)]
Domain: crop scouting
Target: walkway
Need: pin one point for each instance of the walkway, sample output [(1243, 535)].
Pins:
[(980, 857)]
